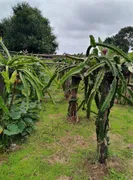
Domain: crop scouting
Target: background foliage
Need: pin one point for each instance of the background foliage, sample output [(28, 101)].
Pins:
[(123, 39), (28, 29)]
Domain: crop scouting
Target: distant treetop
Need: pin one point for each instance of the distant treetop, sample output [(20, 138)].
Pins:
[(123, 39), (28, 29)]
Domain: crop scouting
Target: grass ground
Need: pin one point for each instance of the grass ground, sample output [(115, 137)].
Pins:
[(59, 150)]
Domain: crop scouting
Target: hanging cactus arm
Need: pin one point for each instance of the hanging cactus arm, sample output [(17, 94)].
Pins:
[(109, 97), (92, 44), (73, 71), (110, 64), (94, 90), (81, 104), (50, 81), (88, 50), (93, 68), (128, 100), (97, 100)]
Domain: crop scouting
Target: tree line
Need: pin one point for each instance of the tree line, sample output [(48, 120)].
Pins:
[(27, 29)]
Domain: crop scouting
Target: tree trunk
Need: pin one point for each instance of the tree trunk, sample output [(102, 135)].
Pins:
[(102, 127), (102, 124), (73, 105), (66, 88)]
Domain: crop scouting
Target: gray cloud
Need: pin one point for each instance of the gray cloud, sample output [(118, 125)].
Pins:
[(73, 21)]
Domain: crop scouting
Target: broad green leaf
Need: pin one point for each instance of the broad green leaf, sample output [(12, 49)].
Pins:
[(32, 105), (21, 126), (28, 121), (12, 129), (23, 107), (15, 112)]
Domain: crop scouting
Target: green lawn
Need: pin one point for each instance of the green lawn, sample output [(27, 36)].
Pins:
[(64, 151)]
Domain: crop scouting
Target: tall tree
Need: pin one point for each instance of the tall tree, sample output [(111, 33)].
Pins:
[(123, 39), (28, 29)]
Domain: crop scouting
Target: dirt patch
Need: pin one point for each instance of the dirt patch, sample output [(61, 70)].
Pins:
[(115, 163), (115, 137), (2, 160), (64, 178), (130, 162), (96, 171), (66, 145), (93, 137), (99, 171), (72, 142), (129, 146), (25, 158), (54, 116), (58, 158)]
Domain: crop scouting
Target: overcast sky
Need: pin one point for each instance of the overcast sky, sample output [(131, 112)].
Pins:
[(74, 20)]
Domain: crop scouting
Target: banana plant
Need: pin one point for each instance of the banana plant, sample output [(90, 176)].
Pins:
[(104, 72)]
